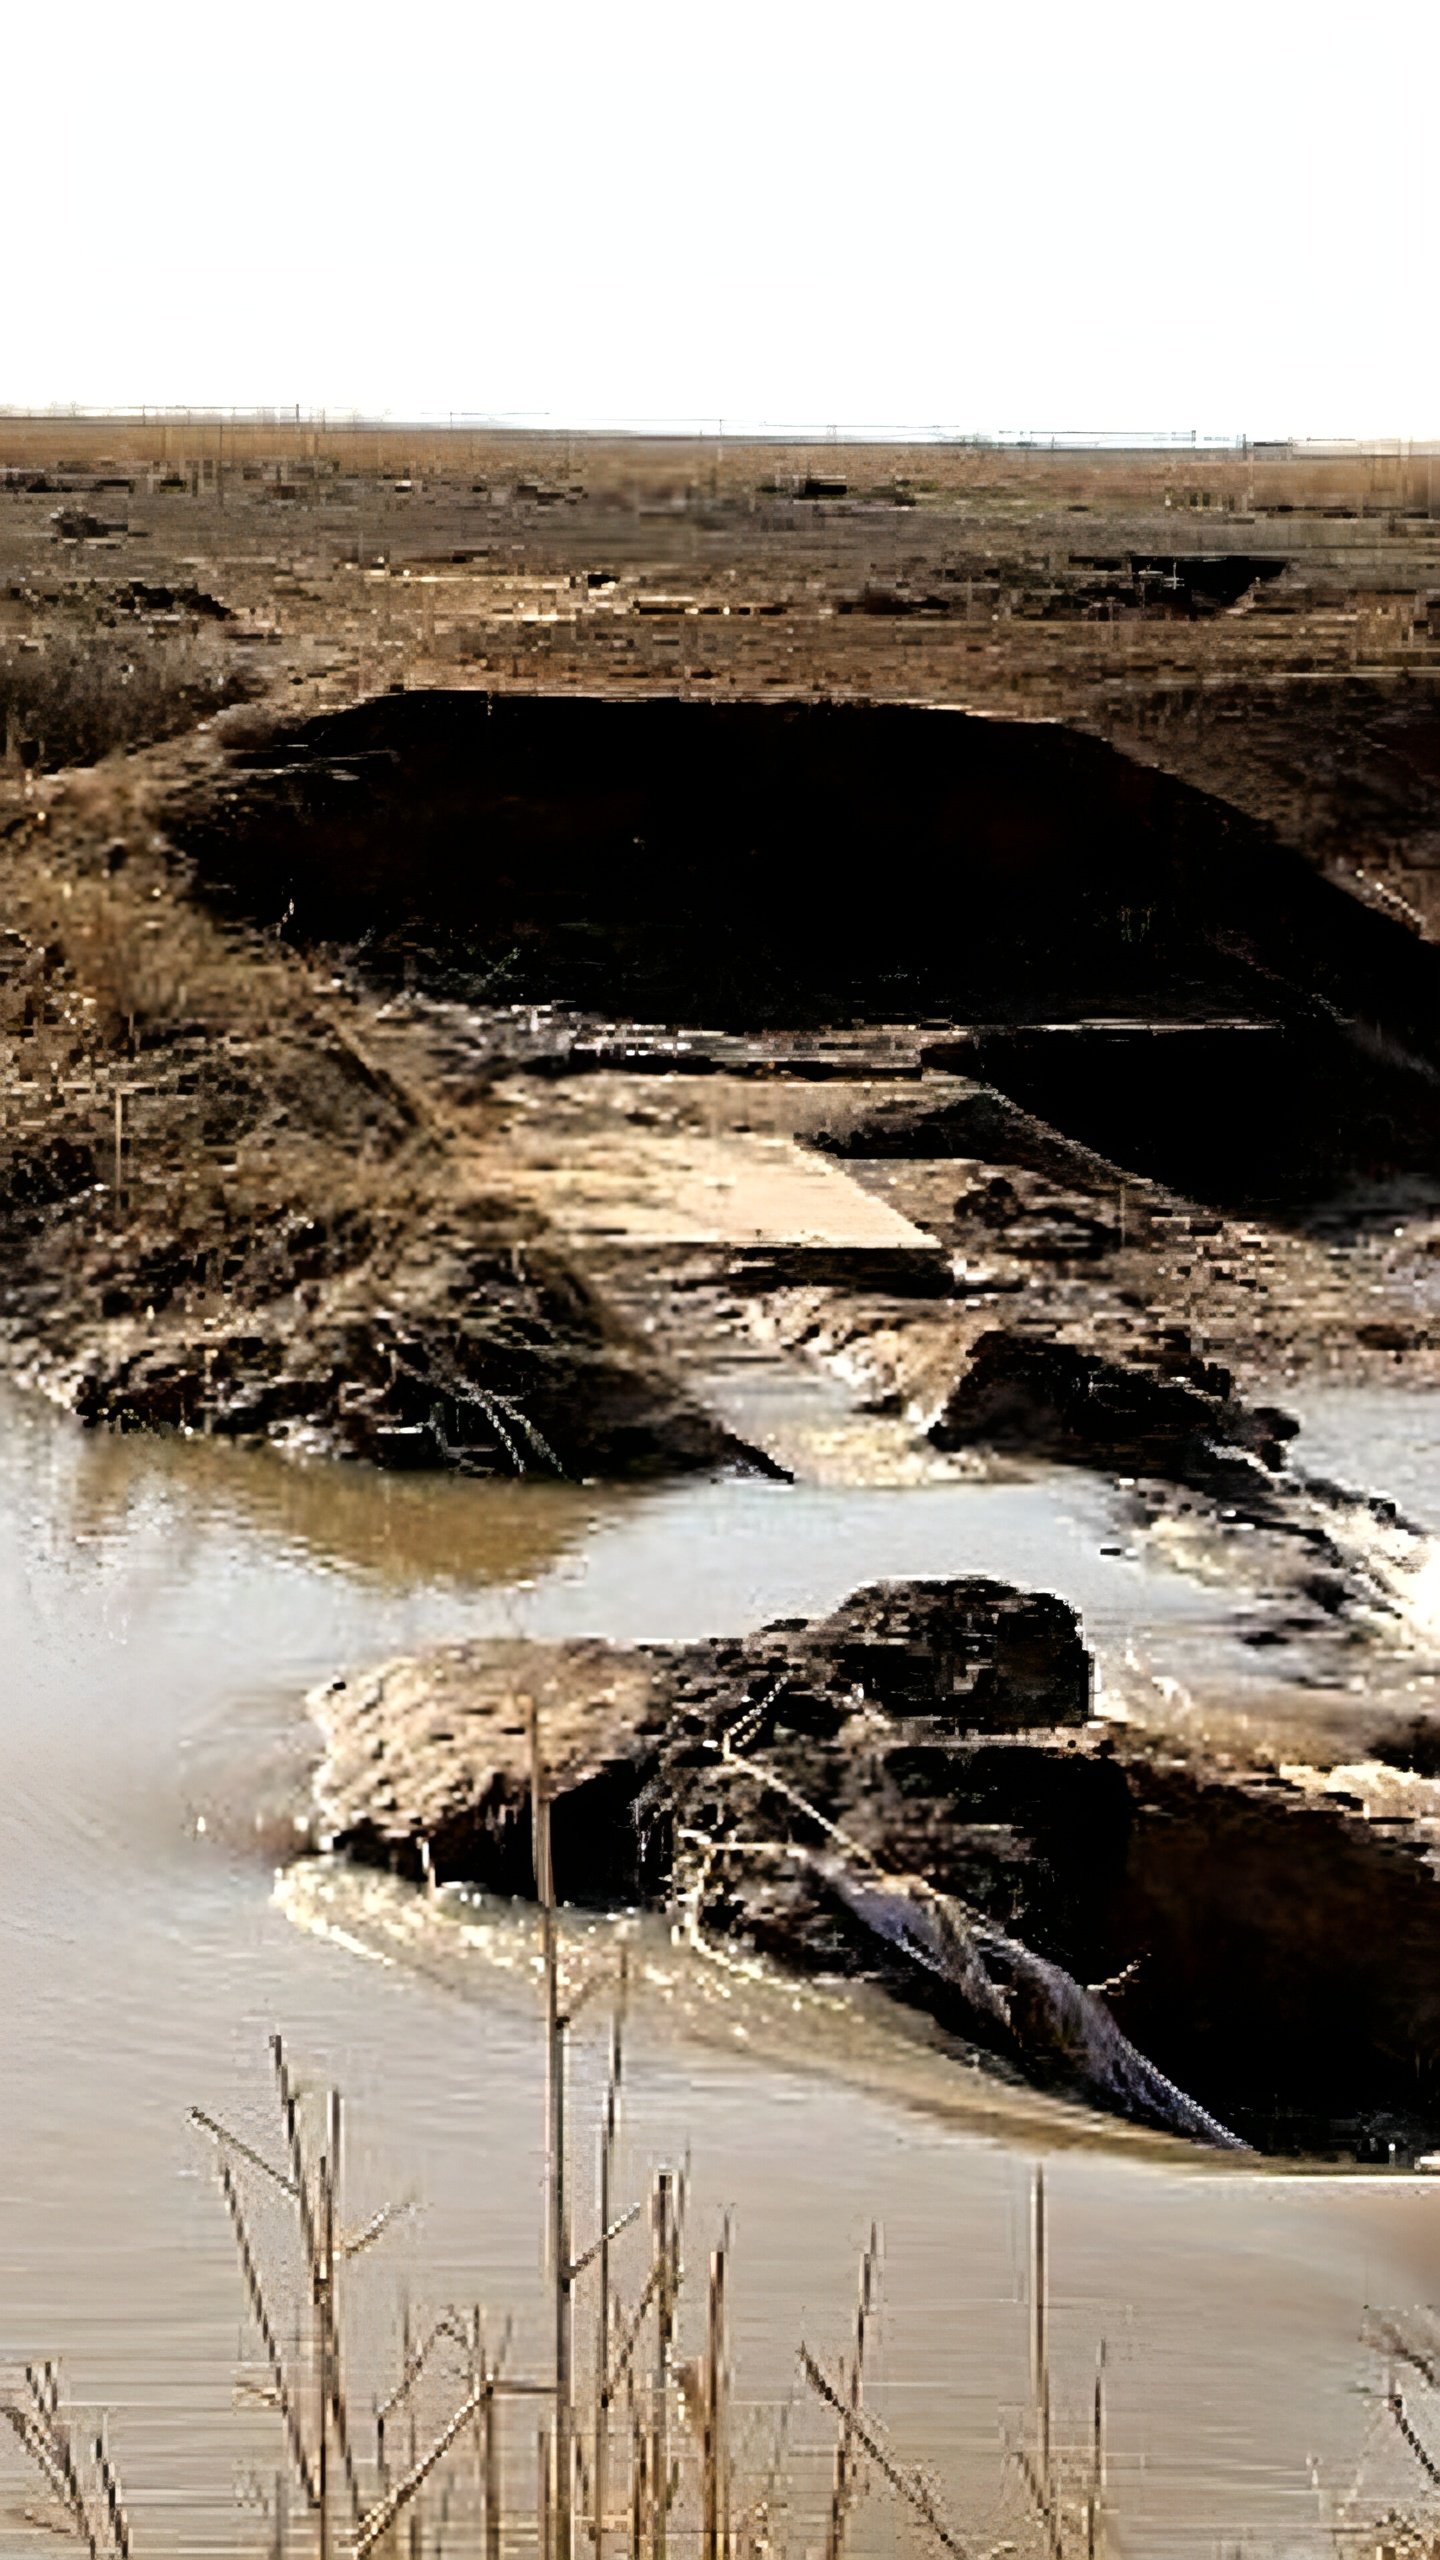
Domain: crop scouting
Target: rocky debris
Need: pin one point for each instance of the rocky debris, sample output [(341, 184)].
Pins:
[(913, 1792), (37, 1176), (877, 1706), (718, 1778), (1163, 1412), (1284, 1922), (1041, 1224), (78, 524), (483, 1362), (141, 596)]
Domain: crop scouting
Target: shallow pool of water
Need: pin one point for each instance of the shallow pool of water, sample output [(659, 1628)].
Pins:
[(163, 1609), (1380, 1440)]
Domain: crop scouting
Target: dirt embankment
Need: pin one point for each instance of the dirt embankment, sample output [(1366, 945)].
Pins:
[(373, 1080), (702, 673), (223, 1209)]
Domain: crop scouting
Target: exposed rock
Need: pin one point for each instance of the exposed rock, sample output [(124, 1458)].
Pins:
[(912, 1792), (1041, 1227), (880, 1706), (889, 1728), (1164, 1412), (429, 1762)]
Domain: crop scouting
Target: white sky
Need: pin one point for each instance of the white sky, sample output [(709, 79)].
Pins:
[(990, 215)]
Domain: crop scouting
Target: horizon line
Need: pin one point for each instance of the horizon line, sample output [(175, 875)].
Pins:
[(715, 430)]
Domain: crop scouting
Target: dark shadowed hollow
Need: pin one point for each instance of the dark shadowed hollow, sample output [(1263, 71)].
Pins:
[(1146, 968)]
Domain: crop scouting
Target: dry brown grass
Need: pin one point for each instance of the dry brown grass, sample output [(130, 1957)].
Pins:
[(196, 448), (75, 696), (633, 2451)]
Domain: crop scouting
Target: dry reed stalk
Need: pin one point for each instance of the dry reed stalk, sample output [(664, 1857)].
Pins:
[(1040, 2336), (1095, 2501), (413, 2362), (494, 2495), (415, 2532), (335, 2255), (260, 2312), (561, 2273), (114, 2503), (715, 2490), (383, 2514), (1042, 2500), (1410, 2437), (906, 2484), (843, 2492), (314, 2193), (659, 2465), (600, 2465), (639, 2486), (480, 2379), (622, 2368), (44, 2431), (755, 2542), (404, 2493), (231, 2142), (316, 2210), (37, 2445), (299, 2170), (320, 2281)]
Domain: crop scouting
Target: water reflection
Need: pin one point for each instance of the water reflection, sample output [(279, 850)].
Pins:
[(395, 1530)]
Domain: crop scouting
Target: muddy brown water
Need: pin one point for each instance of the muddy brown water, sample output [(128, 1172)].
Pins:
[(164, 1608)]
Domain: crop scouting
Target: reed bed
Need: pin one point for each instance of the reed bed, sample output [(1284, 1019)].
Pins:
[(616, 2447), (75, 696)]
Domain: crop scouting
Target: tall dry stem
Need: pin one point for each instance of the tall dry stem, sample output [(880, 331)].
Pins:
[(1040, 2332), (561, 2273), (600, 2467), (715, 2484), (659, 2463), (842, 2494)]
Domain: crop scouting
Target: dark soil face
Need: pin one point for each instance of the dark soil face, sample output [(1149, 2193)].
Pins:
[(741, 864), (1285, 1963), (1261, 1115), (754, 867)]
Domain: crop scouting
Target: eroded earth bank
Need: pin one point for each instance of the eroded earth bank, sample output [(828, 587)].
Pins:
[(576, 1087)]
